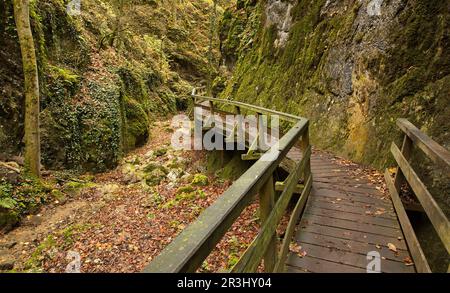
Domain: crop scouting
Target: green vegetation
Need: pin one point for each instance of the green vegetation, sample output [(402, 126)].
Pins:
[(329, 70), (200, 180), (21, 198), (104, 77)]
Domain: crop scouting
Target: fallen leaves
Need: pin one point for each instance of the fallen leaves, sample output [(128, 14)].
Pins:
[(294, 247), (124, 233), (380, 211), (392, 247), (408, 261), (297, 249)]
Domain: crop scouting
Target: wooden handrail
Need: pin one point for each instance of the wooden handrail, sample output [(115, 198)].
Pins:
[(252, 257), (432, 149), (405, 173), (190, 248), (257, 109)]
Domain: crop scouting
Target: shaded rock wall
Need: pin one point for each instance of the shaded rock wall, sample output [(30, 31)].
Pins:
[(105, 75), (352, 67)]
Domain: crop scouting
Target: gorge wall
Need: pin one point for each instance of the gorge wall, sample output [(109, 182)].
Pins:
[(106, 72), (352, 67)]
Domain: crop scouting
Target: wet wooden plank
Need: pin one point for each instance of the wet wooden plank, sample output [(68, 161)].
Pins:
[(337, 196), (352, 203), (353, 259), (354, 209), (353, 226), (352, 245), (315, 265), (357, 188), (350, 235), (391, 223), (346, 182), (295, 270)]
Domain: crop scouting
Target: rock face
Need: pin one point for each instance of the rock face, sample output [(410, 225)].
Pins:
[(104, 73), (352, 67)]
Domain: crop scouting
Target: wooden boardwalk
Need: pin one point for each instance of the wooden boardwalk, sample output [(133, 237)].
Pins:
[(345, 218), (342, 222)]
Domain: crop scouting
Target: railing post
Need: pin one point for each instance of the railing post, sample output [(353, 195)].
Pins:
[(304, 145), (266, 204), (406, 152)]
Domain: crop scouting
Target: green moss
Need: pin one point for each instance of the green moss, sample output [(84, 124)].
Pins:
[(64, 74), (136, 130), (8, 218), (200, 180), (231, 169), (155, 166), (155, 177), (74, 188), (301, 78), (185, 189), (161, 152), (21, 198), (39, 254)]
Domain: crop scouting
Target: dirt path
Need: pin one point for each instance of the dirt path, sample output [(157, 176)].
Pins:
[(122, 219)]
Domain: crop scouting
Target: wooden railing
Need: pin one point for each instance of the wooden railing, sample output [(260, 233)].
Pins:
[(188, 251), (405, 173)]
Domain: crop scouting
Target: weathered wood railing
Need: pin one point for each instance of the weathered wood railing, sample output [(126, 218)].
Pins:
[(188, 251), (441, 157)]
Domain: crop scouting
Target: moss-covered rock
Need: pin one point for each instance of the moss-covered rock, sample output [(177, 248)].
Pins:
[(185, 189), (352, 74), (101, 86), (200, 180), (24, 196), (155, 177)]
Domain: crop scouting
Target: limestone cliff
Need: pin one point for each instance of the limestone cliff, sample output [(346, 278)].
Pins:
[(106, 71), (352, 67)]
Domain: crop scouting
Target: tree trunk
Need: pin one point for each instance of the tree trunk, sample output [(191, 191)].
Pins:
[(210, 49), (30, 72)]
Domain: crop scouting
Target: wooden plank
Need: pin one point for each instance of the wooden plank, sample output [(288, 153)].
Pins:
[(316, 265), (354, 259), (266, 205), (284, 116), (252, 256), (391, 223), (351, 246), (291, 225), (417, 254), (354, 209), (347, 181), (430, 206), (333, 190), (354, 226), (351, 197), (280, 186), (338, 175), (187, 252), (350, 235), (434, 151), (350, 203), (330, 171), (295, 270), (351, 189)]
